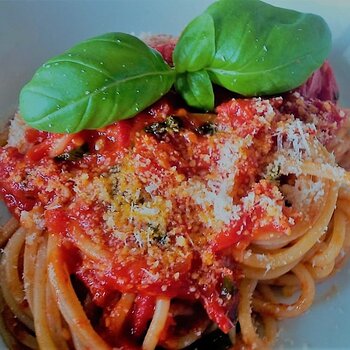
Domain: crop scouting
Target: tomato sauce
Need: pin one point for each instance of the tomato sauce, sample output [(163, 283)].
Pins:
[(152, 203), (155, 205)]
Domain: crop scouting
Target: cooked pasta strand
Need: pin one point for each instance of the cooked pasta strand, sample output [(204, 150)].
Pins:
[(68, 302), (158, 322), (12, 287), (42, 329)]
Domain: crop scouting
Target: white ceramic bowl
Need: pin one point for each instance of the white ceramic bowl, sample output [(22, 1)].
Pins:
[(33, 31)]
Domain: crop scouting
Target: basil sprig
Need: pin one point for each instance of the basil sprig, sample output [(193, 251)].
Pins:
[(246, 46), (249, 47), (101, 80)]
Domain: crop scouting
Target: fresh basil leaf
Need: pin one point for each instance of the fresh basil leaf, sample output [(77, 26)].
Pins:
[(196, 89), (266, 50), (196, 46), (99, 81), (262, 49)]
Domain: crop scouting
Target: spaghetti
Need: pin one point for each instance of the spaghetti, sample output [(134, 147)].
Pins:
[(158, 230)]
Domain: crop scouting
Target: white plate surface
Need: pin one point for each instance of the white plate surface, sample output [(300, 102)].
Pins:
[(33, 31)]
